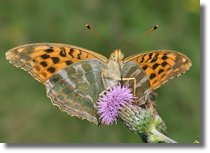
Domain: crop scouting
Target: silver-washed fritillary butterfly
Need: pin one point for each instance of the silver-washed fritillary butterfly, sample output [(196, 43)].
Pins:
[(74, 76)]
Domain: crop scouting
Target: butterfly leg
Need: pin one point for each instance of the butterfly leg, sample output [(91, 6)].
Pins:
[(134, 88), (102, 77), (110, 80), (119, 79)]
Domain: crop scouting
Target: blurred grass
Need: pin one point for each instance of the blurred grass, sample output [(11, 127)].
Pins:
[(27, 115)]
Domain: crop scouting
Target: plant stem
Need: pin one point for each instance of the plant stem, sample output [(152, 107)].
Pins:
[(162, 136)]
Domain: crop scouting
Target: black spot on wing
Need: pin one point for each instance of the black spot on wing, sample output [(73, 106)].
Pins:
[(45, 56), (160, 71), (150, 57), (143, 58), (164, 57), (50, 50), (145, 67), (51, 69), (71, 52), (44, 64), (152, 76), (55, 59), (63, 52), (155, 66), (164, 63), (155, 58), (68, 62), (80, 53)]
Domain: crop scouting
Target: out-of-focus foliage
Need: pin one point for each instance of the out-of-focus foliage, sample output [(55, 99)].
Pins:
[(26, 113)]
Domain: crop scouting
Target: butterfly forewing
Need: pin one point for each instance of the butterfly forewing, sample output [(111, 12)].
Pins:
[(43, 60), (161, 65)]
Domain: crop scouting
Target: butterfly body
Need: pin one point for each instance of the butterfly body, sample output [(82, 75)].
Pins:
[(113, 72), (75, 77)]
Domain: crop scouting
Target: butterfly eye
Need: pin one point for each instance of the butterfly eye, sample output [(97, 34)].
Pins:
[(112, 56), (122, 56)]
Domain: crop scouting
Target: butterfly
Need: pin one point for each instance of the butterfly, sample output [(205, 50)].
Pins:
[(75, 77)]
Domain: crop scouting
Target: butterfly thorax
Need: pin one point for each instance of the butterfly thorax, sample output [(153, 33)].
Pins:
[(114, 68)]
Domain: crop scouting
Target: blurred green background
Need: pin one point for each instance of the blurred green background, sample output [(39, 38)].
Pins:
[(26, 113)]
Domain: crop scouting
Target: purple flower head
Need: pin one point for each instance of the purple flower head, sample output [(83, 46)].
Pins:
[(111, 101)]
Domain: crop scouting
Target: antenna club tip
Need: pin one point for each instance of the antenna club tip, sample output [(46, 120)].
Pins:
[(156, 27), (87, 25)]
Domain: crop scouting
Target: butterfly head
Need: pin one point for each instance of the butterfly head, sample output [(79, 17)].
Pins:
[(117, 55)]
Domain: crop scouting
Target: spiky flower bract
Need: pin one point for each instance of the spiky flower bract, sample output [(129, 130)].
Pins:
[(111, 101)]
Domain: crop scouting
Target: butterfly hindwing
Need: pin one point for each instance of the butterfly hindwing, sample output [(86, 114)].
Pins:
[(161, 65), (131, 71), (42, 60), (75, 88)]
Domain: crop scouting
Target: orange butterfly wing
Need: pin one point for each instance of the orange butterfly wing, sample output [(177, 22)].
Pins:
[(42, 60), (161, 65)]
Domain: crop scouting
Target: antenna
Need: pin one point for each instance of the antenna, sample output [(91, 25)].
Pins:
[(98, 35), (141, 36)]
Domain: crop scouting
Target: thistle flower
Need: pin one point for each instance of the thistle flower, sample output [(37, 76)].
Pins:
[(111, 101), (117, 103)]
